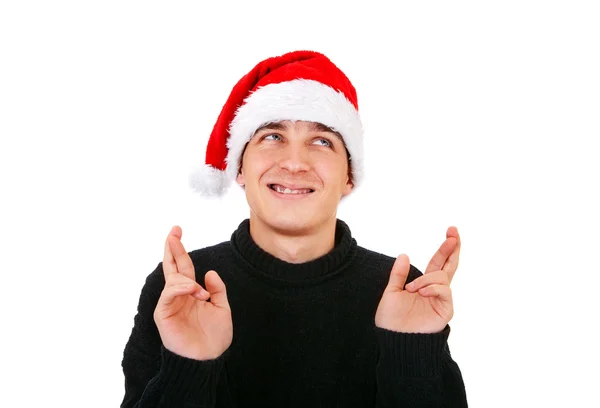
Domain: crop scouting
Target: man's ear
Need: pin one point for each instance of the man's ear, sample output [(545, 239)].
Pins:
[(348, 187), (240, 179)]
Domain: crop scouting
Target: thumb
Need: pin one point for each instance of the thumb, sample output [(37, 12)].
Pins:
[(399, 273), (216, 288)]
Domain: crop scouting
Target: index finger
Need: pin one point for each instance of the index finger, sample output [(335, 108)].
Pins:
[(169, 264)]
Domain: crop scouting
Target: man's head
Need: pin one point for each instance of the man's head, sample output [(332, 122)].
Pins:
[(294, 174), (300, 86)]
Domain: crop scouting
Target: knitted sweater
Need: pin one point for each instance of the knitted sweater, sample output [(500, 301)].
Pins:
[(304, 335)]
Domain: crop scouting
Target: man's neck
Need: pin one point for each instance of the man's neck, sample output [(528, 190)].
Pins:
[(293, 248)]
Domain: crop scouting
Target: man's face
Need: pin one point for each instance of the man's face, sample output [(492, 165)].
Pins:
[(295, 174)]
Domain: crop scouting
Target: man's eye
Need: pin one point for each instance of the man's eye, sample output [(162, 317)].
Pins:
[(325, 142), (275, 135)]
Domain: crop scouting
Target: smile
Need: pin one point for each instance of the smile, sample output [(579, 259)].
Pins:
[(286, 190)]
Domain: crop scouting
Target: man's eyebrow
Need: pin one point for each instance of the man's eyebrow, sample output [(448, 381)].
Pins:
[(319, 127), (272, 126)]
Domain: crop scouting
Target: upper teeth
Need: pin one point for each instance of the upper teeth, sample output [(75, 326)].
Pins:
[(286, 190)]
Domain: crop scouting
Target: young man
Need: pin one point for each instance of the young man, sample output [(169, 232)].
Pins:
[(291, 312)]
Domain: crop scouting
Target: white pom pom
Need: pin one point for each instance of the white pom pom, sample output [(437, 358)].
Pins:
[(208, 181)]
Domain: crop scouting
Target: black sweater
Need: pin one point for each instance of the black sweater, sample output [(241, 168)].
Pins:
[(304, 335)]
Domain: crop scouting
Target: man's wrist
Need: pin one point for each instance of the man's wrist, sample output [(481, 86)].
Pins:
[(412, 354)]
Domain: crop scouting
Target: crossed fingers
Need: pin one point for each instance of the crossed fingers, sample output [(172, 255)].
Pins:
[(180, 276), (440, 270), (176, 259), (446, 257)]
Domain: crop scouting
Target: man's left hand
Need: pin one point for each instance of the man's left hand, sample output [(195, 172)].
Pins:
[(424, 305)]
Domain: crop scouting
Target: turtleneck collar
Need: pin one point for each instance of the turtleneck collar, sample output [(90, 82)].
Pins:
[(268, 266)]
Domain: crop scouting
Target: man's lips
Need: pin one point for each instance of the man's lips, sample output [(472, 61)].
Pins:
[(290, 189)]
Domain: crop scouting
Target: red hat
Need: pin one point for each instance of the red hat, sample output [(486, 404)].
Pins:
[(300, 85)]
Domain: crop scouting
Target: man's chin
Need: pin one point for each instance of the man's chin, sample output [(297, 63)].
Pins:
[(290, 224)]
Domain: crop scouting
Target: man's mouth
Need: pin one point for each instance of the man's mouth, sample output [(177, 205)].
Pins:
[(286, 190)]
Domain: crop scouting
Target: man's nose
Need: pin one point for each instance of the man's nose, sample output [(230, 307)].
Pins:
[(294, 159)]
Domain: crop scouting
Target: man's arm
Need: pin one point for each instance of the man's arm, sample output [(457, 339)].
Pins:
[(156, 377), (415, 367), (416, 370)]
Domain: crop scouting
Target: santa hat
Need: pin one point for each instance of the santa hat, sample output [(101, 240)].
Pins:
[(300, 85)]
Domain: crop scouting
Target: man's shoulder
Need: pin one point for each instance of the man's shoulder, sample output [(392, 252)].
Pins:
[(382, 263), (374, 259), (372, 255), (211, 257), (217, 251)]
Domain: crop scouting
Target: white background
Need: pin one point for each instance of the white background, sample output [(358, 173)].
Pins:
[(477, 114)]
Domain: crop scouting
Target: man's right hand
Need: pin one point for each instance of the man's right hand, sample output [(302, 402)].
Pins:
[(189, 324)]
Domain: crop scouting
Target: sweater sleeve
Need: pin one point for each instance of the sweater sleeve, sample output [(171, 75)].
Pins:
[(416, 370), (156, 377)]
